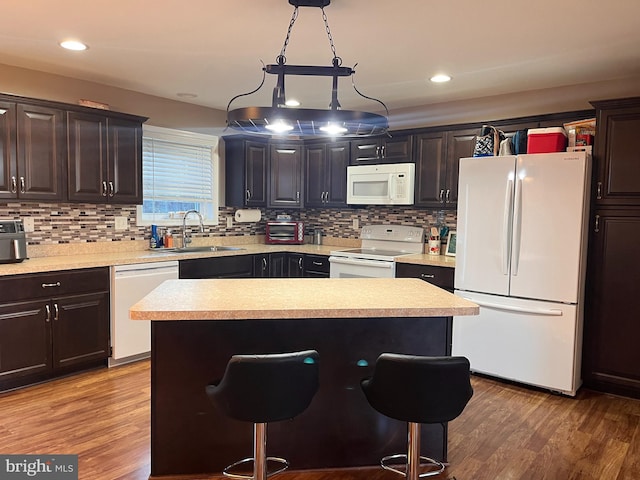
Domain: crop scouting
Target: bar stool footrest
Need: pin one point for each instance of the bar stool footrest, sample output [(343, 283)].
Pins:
[(227, 473), (427, 462)]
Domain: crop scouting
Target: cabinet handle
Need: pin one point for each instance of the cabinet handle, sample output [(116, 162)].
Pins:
[(424, 275), (14, 185), (104, 189), (599, 191), (297, 196), (247, 195), (441, 196), (264, 264), (47, 317), (382, 149), (319, 264), (300, 263), (56, 314), (377, 152), (597, 224), (112, 190), (47, 285), (447, 196), (22, 186)]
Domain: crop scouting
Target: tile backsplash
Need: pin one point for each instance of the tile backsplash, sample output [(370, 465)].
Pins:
[(66, 223)]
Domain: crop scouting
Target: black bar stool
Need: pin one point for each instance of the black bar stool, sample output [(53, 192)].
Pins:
[(416, 390), (261, 389)]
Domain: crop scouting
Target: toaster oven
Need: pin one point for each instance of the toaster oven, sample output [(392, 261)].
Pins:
[(288, 233)]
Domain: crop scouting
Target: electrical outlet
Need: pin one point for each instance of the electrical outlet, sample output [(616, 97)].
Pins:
[(29, 224), (229, 222), (356, 224), (121, 223)]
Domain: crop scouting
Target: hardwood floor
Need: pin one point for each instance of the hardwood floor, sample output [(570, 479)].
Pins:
[(506, 432)]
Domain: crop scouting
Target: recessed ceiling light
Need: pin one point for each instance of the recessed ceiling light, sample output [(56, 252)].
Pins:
[(292, 103), (440, 78), (186, 95), (73, 45)]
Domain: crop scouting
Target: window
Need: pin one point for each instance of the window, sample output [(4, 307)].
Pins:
[(179, 173)]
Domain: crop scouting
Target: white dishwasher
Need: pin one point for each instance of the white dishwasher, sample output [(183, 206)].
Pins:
[(130, 339)]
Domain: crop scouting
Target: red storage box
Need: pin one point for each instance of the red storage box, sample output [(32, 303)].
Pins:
[(546, 140)]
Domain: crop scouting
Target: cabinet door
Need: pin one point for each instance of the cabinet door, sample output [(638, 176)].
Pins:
[(80, 326), (397, 149), (88, 163), (40, 153), (256, 161), (295, 265), (617, 157), (460, 144), (278, 265), (25, 339), (431, 169), (365, 152), (8, 174), (315, 175), (286, 176), (124, 177), (338, 154), (612, 329), (261, 266)]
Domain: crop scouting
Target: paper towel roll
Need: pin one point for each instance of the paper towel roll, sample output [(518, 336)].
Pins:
[(245, 216)]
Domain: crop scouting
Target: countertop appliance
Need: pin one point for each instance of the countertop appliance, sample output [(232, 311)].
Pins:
[(13, 243), (285, 232), (521, 256), (381, 245), (130, 339), (384, 184)]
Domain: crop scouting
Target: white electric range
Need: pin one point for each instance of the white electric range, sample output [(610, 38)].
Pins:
[(381, 245)]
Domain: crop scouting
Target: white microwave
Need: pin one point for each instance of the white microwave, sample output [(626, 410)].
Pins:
[(385, 184)]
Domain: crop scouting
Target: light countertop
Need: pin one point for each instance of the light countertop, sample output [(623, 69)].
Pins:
[(108, 254), (298, 298)]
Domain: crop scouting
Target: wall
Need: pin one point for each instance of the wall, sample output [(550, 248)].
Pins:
[(64, 223)]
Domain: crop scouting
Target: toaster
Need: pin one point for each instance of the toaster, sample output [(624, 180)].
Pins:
[(13, 243)]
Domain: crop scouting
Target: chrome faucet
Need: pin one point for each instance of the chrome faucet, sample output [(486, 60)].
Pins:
[(186, 236)]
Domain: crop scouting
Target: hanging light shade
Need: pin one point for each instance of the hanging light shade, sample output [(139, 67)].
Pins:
[(278, 119)]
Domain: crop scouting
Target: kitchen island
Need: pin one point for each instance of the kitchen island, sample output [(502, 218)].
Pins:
[(197, 325)]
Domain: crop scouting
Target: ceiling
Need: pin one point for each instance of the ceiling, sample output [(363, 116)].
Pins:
[(213, 48)]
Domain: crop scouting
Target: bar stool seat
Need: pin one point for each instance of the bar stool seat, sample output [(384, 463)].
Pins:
[(417, 390), (262, 389)]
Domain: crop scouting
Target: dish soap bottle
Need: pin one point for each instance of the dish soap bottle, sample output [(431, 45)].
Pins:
[(168, 239), (153, 240)]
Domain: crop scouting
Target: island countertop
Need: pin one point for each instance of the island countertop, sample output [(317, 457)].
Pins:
[(237, 299)]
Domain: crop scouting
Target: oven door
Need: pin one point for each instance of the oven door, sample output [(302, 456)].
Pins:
[(345, 267)]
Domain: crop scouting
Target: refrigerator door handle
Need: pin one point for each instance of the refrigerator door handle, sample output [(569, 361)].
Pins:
[(505, 247), (517, 228), (551, 312)]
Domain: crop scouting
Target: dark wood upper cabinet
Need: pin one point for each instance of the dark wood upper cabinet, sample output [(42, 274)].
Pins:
[(395, 149), (326, 174), (438, 156), (285, 179), (616, 153), (246, 170), (32, 150), (105, 159)]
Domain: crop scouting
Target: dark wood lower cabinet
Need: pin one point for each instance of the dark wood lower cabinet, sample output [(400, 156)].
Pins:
[(316, 266), (52, 324), (611, 361), (439, 276), (236, 266)]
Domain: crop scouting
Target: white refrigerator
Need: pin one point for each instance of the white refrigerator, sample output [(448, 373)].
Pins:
[(521, 256)]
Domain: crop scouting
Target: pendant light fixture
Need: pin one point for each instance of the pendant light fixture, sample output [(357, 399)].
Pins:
[(279, 119)]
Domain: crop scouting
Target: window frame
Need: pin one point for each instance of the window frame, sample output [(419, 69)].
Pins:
[(189, 138)]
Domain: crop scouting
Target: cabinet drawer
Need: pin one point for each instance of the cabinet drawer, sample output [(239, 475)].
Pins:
[(316, 263), (54, 284), (217, 267), (439, 276)]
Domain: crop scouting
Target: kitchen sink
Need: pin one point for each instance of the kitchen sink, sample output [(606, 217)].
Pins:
[(196, 249)]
